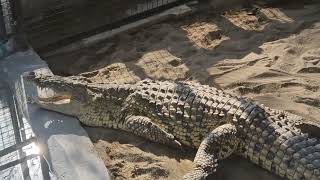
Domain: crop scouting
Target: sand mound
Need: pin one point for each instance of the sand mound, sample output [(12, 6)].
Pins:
[(271, 55)]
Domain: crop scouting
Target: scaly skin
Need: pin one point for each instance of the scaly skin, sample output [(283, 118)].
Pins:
[(194, 116)]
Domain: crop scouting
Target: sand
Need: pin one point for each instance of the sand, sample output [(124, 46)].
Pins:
[(271, 55)]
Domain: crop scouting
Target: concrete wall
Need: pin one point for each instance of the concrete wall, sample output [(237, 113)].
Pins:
[(35, 7), (220, 5), (44, 27)]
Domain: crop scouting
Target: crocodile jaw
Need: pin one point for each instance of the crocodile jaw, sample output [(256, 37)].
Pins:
[(66, 98), (61, 104)]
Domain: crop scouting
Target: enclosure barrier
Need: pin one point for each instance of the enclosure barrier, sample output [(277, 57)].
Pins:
[(19, 154), (62, 22)]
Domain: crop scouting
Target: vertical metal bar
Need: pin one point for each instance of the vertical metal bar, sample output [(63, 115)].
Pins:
[(17, 124), (3, 33), (14, 15), (44, 168), (7, 17), (20, 115)]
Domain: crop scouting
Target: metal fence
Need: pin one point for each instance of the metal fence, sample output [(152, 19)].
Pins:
[(63, 22), (19, 154)]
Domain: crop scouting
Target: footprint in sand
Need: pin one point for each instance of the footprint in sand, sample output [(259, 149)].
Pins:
[(311, 60), (315, 102)]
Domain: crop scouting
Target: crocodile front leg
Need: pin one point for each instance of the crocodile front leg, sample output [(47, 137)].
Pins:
[(144, 127), (219, 144)]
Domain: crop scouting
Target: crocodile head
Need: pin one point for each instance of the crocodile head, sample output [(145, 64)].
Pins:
[(66, 95)]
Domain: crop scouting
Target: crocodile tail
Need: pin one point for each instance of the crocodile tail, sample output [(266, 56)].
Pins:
[(298, 158)]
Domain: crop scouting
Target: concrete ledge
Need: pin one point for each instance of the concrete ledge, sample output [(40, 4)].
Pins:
[(69, 150), (65, 144)]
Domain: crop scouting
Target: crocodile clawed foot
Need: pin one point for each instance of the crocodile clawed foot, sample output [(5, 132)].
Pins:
[(211, 149), (196, 175), (144, 127)]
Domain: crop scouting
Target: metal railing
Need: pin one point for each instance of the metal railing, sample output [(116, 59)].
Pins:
[(19, 156)]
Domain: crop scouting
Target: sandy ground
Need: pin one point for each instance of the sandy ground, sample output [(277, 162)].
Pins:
[(271, 55)]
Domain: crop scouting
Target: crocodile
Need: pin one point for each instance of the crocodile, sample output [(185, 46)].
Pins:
[(191, 115)]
